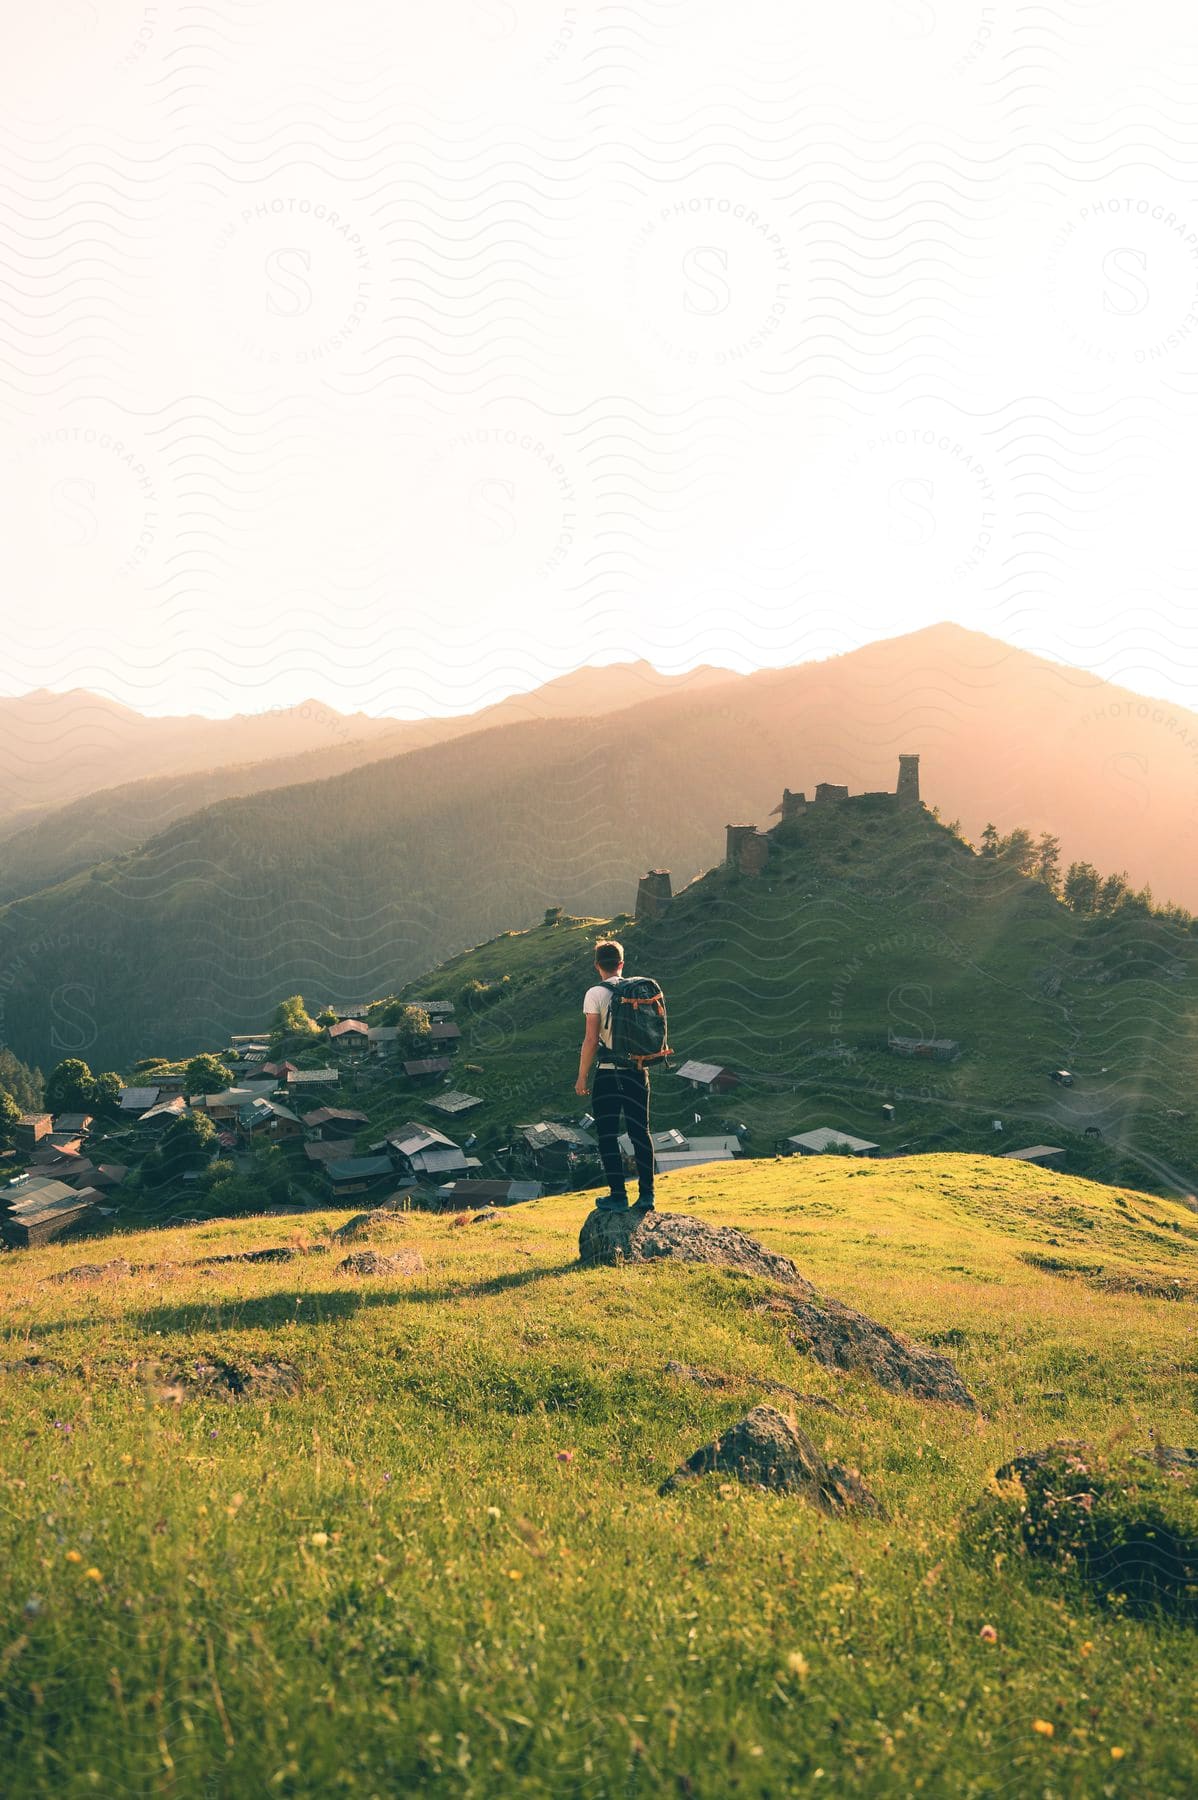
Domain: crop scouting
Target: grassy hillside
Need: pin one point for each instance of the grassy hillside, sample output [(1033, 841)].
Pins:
[(869, 922), (354, 884), (441, 1563)]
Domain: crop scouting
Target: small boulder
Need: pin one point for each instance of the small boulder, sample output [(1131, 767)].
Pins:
[(370, 1262), (203, 1380), (615, 1237), (840, 1338), (363, 1223), (765, 1450), (115, 1270)]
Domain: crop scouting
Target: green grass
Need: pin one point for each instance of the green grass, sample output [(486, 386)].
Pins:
[(399, 1581)]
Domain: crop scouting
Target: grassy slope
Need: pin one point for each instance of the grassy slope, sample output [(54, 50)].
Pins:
[(486, 1619), (868, 921)]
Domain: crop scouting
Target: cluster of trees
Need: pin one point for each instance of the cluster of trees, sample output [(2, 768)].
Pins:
[(1082, 887), (20, 1091)]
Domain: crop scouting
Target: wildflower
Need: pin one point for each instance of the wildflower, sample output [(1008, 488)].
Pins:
[(516, 1574), (565, 1456), (319, 1539), (988, 1634), (1043, 1726), (493, 1512), (1085, 1649), (798, 1665), (126, 1461), (1117, 1753), (93, 1575), (213, 1434), (386, 1477), (74, 1556)]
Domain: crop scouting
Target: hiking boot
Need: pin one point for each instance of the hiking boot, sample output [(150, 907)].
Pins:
[(612, 1203), (644, 1203)]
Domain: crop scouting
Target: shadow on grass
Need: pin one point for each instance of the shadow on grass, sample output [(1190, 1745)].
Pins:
[(314, 1308)]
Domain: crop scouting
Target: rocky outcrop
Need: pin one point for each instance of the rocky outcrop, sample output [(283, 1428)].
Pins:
[(833, 1334), (765, 1450), (840, 1338), (636, 1237), (370, 1262), (363, 1223)]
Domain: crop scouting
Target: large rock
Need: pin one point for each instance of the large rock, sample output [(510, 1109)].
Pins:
[(834, 1334), (840, 1338), (613, 1237), (363, 1223), (370, 1262), (765, 1450)]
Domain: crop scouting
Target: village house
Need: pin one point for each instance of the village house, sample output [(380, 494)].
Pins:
[(825, 1140), (555, 1151), (383, 1039), (280, 1070), (164, 1113), (138, 1099), (30, 1129), (445, 1034), (671, 1150), (76, 1123), (269, 1117), (422, 1152), (320, 1151), (334, 1122), (311, 1078), (33, 1212), (454, 1101), (358, 1174), (1062, 1077), (223, 1109), (349, 1034), (421, 1067), (488, 1193), (710, 1078), (436, 1009), (1047, 1156)]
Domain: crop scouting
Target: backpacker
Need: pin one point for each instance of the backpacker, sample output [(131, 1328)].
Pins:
[(638, 1021)]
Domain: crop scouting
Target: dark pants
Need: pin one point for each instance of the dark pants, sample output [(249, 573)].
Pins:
[(626, 1091)]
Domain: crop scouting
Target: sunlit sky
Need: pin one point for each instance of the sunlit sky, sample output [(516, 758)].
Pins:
[(406, 357)]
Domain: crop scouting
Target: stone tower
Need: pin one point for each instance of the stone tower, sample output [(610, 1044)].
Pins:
[(907, 792), (653, 894), (793, 806), (748, 849)]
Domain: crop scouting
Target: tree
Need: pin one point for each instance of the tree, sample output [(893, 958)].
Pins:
[(1113, 892), (106, 1094), (71, 1087), (1018, 849), (326, 1018), (187, 1143), (1048, 862), (10, 1112), (1082, 882), (206, 1074), (414, 1027), (291, 1018), (24, 1084), (990, 841)]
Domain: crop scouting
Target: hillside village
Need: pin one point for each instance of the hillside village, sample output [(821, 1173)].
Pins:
[(380, 1102)]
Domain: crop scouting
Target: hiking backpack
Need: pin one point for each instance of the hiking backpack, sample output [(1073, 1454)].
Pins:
[(638, 1021)]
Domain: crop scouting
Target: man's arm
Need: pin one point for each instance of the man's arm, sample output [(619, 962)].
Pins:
[(588, 1053)]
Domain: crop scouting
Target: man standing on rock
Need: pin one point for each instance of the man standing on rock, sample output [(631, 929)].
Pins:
[(618, 1088)]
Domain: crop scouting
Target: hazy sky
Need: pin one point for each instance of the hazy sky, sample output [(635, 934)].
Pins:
[(408, 355)]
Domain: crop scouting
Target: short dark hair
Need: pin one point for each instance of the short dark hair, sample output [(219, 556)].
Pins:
[(609, 955)]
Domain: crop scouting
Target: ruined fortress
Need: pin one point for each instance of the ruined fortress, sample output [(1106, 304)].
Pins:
[(748, 849)]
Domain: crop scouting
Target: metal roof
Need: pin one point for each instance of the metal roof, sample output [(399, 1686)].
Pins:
[(428, 1065), (439, 1162), (701, 1071), (308, 1077), (411, 1137), (548, 1132), (1031, 1150), (454, 1102), (825, 1135), (136, 1099), (359, 1168), (477, 1192)]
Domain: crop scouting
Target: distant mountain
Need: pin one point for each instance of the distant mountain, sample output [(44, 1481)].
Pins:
[(43, 845), (353, 884), (56, 747)]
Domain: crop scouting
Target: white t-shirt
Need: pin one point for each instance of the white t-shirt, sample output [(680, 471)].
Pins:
[(597, 999)]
